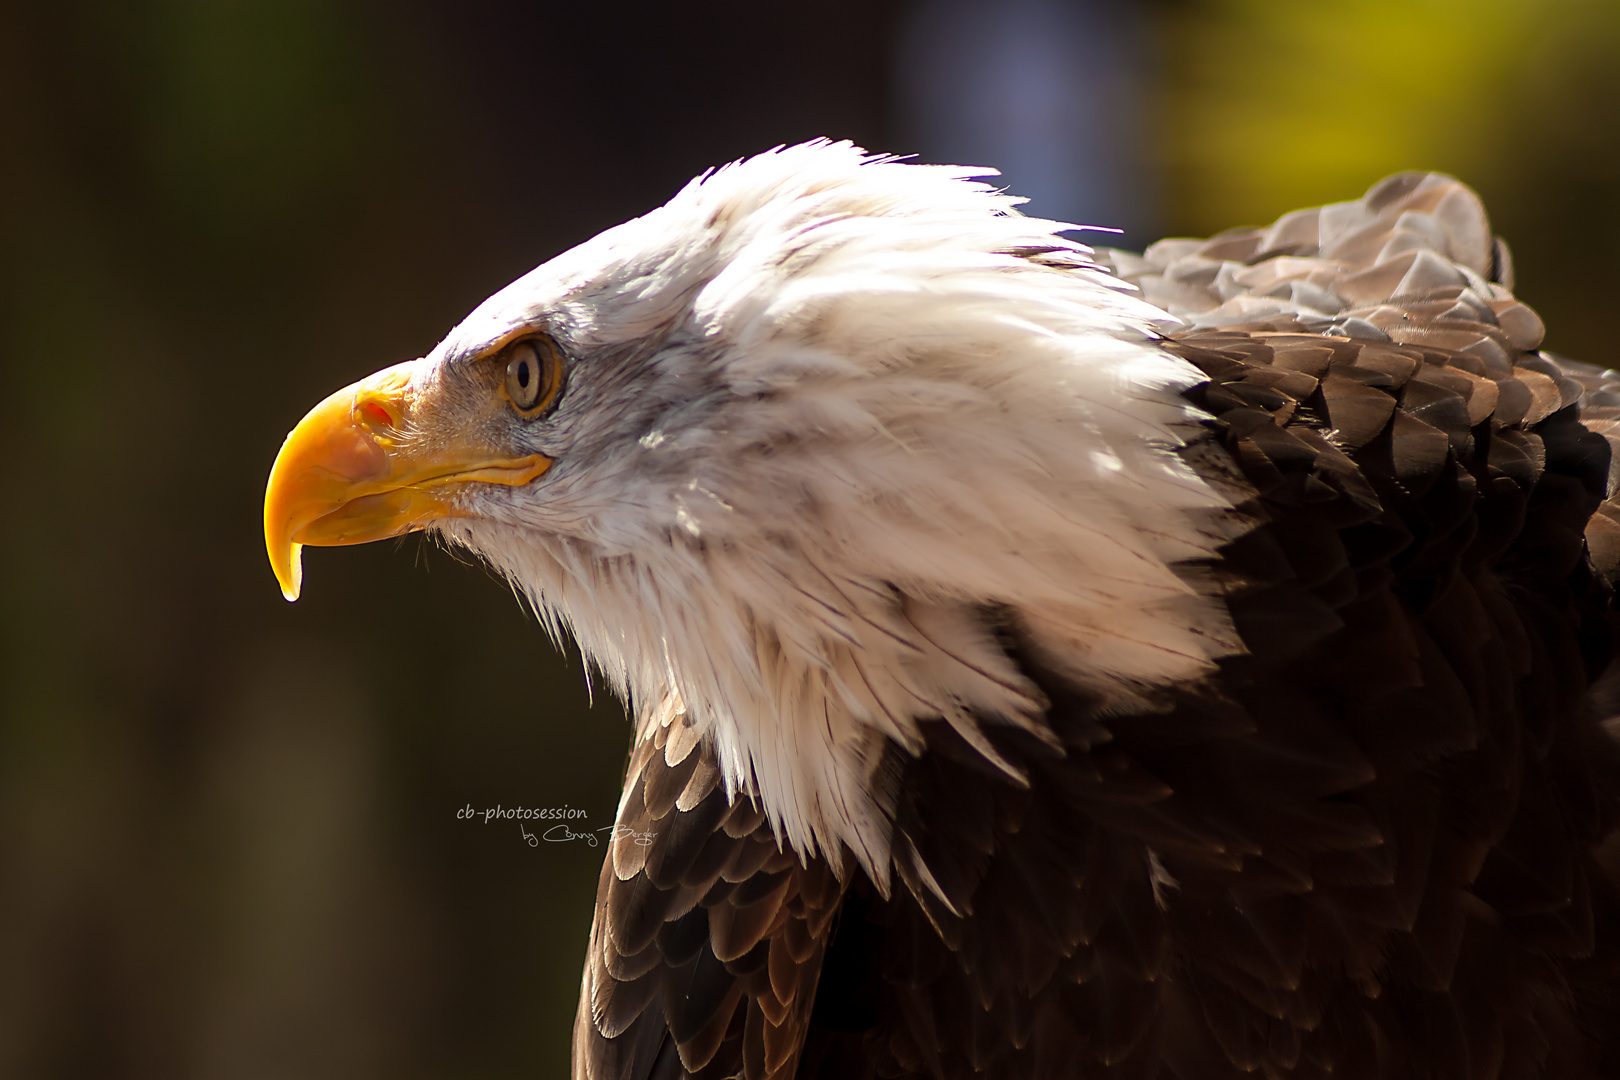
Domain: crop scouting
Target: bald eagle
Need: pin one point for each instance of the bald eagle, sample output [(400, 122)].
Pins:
[(1048, 662)]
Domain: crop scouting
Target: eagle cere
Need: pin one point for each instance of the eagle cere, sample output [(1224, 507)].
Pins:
[(1048, 662)]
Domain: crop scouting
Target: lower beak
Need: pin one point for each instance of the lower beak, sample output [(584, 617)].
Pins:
[(349, 473)]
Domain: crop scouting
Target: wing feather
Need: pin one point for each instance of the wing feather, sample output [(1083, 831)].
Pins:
[(708, 938)]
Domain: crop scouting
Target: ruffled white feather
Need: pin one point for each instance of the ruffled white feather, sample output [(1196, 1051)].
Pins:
[(856, 403)]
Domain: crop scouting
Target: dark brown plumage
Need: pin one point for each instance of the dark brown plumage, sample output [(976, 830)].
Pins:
[(1378, 844)]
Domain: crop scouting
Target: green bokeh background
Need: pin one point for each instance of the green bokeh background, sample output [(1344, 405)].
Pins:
[(228, 843)]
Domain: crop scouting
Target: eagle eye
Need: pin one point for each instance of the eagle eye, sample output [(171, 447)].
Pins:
[(533, 375)]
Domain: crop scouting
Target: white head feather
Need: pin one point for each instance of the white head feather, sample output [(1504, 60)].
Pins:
[(823, 411)]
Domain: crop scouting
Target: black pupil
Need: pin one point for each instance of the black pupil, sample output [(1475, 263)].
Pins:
[(523, 374)]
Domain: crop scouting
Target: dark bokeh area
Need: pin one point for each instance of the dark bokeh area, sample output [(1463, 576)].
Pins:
[(228, 834)]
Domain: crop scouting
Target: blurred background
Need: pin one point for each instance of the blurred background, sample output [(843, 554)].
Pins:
[(228, 835)]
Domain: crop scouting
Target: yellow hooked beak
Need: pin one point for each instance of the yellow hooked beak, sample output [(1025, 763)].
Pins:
[(347, 474)]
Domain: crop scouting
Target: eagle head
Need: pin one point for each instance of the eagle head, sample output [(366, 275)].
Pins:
[(797, 454)]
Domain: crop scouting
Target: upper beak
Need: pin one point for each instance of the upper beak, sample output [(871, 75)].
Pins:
[(348, 474)]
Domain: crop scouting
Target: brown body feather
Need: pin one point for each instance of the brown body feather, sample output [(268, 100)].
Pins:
[(1377, 844)]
